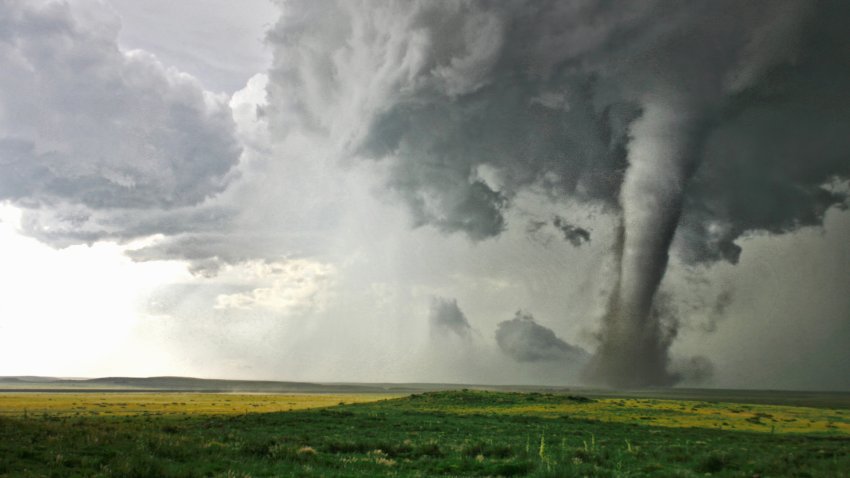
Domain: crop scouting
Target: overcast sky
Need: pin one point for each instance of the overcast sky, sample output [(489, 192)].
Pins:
[(478, 192)]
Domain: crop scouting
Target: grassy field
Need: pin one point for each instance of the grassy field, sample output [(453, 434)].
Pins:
[(461, 433), (182, 404), (664, 413)]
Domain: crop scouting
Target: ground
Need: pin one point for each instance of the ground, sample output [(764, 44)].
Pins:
[(456, 433)]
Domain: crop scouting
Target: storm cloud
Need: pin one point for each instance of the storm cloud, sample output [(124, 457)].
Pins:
[(694, 122)]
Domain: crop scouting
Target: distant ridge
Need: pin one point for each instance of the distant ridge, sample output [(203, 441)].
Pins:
[(204, 383), (29, 379), (168, 383)]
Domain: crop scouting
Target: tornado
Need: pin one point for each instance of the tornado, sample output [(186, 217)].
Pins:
[(633, 348)]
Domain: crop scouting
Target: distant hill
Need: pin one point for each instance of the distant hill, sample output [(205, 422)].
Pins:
[(180, 384), (28, 379)]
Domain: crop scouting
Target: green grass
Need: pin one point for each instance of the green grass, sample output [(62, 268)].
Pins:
[(434, 434), (659, 412)]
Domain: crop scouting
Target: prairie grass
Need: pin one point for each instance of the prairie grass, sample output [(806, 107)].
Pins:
[(434, 434), (664, 413)]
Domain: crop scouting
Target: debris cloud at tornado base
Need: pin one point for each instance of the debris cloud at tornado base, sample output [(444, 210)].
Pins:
[(694, 123)]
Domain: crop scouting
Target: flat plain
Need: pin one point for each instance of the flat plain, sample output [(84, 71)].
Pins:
[(439, 433), (172, 404)]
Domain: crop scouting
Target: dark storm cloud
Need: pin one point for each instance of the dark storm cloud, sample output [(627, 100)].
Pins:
[(94, 142), (765, 165), (446, 318), (524, 340), (698, 121), (547, 97)]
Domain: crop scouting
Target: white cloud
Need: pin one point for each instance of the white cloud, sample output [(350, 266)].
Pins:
[(216, 40), (293, 287), (100, 133)]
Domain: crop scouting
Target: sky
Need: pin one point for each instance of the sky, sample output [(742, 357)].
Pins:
[(516, 192)]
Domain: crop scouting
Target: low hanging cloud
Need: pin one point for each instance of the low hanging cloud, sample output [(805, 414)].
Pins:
[(524, 340), (99, 143), (573, 234), (446, 319)]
